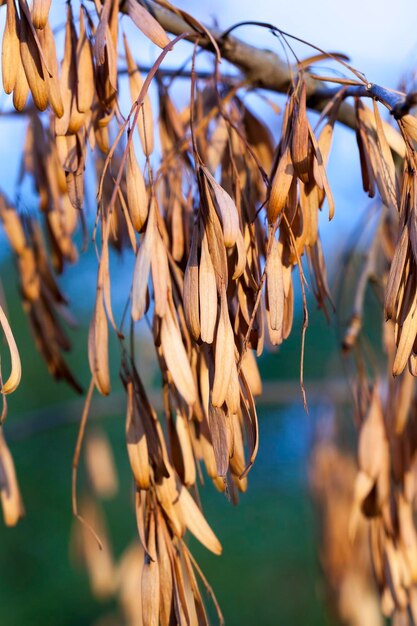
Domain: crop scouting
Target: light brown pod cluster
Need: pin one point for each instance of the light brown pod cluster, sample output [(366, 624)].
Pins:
[(42, 298), (385, 491), (217, 220)]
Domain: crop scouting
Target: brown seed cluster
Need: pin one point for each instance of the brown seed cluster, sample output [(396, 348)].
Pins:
[(217, 226)]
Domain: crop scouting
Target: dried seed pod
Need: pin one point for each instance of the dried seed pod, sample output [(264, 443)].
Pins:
[(32, 64), (208, 293), (300, 136), (191, 288), (40, 13), (280, 186), (98, 355), (224, 355), (137, 197), (10, 54)]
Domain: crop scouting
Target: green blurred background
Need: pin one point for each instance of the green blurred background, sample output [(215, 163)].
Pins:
[(269, 572)]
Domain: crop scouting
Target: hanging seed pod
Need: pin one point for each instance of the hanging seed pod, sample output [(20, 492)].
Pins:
[(10, 54), (208, 293), (280, 186), (191, 288), (32, 65), (40, 13), (98, 355), (300, 136), (137, 197), (224, 355)]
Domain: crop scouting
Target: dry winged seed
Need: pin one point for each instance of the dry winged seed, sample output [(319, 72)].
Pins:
[(150, 580), (137, 197), (142, 269), (147, 24), (190, 290), (300, 138), (220, 438), (66, 79), (184, 438), (10, 49), (176, 358), (47, 41), (280, 186), (137, 446), (40, 13), (160, 275), (85, 69), (98, 354), (196, 522), (21, 88), (32, 65), (227, 210), (275, 287), (251, 372), (396, 274), (208, 293), (224, 355), (165, 572), (407, 339)]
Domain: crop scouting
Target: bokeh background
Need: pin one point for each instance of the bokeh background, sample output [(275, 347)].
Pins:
[(270, 571)]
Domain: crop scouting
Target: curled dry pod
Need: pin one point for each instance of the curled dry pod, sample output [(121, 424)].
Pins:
[(176, 358), (190, 290), (224, 354), (137, 197), (227, 210), (11, 499), (98, 355), (10, 54), (208, 293), (13, 381), (40, 13), (280, 186)]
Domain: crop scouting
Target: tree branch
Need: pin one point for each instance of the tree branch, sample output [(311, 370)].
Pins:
[(265, 69)]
